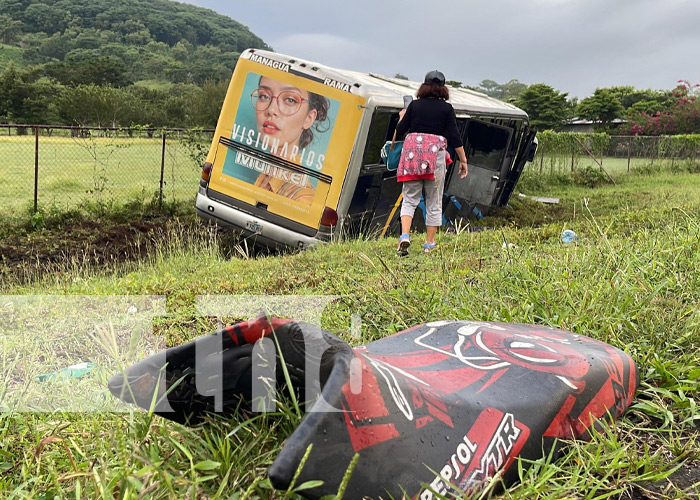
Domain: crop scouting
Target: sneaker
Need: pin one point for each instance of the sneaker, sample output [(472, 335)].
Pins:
[(429, 247), (404, 243)]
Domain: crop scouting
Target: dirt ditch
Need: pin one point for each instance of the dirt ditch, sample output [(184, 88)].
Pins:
[(26, 256)]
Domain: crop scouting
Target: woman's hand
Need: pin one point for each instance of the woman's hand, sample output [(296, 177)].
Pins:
[(463, 169)]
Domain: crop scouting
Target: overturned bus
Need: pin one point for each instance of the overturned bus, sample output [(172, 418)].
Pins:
[(295, 158)]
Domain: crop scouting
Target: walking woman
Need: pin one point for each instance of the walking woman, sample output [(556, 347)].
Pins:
[(432, 124)]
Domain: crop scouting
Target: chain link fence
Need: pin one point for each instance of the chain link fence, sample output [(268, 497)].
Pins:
[(70, 167), (651, 149), (617, 154)]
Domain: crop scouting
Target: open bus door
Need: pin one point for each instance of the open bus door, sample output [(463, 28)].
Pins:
[(485, 145), (526, 153)]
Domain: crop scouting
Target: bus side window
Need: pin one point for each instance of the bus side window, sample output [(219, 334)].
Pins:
[(461, 127), (380, 130)]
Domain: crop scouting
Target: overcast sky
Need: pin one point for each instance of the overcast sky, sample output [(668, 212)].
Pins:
[(574, 46)]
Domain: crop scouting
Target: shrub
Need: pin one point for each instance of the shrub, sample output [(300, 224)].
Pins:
[(648, 169), (682, 117), (589, 176), (533, 181)]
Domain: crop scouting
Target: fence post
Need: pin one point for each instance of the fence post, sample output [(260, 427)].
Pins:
[(572, 160), (36, 169), (162, 171), (629, 153)]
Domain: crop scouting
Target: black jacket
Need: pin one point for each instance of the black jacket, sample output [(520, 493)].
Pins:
[(431, 116)]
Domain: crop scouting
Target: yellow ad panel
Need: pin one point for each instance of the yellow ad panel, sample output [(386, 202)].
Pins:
[(284, 140)]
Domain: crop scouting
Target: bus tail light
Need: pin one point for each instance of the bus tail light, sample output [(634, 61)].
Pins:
[(206, 171), (329, 217)]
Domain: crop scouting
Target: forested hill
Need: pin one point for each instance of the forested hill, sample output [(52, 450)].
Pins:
[(121, 41)]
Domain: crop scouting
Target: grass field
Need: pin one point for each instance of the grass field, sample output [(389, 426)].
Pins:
[(632, 280), (73, 171), (615, 166)]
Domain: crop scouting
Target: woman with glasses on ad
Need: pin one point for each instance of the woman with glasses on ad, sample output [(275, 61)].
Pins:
[(287, 118)]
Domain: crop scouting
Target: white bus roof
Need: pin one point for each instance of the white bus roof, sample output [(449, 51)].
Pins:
[(387, 91)]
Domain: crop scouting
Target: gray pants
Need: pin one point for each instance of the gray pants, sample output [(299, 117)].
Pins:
[(433, 189)]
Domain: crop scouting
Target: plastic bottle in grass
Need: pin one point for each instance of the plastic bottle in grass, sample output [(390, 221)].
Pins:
[(568, 236), (73, 371)]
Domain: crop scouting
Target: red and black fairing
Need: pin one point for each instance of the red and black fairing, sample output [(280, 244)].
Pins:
[(214, 373), (449, 403)]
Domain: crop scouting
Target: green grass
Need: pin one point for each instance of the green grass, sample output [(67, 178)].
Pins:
[(548, 164), (632, 280), (73, 171)]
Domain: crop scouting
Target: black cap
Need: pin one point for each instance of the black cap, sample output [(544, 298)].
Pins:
[(434, 77)]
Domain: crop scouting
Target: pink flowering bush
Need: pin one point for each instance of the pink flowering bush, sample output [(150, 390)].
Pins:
[(682, 117)]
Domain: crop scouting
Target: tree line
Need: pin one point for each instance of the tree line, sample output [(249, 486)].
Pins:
[(27, 95), (24, 99), (617, 110)]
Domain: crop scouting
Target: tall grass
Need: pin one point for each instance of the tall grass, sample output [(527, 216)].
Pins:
[(632, 279)]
